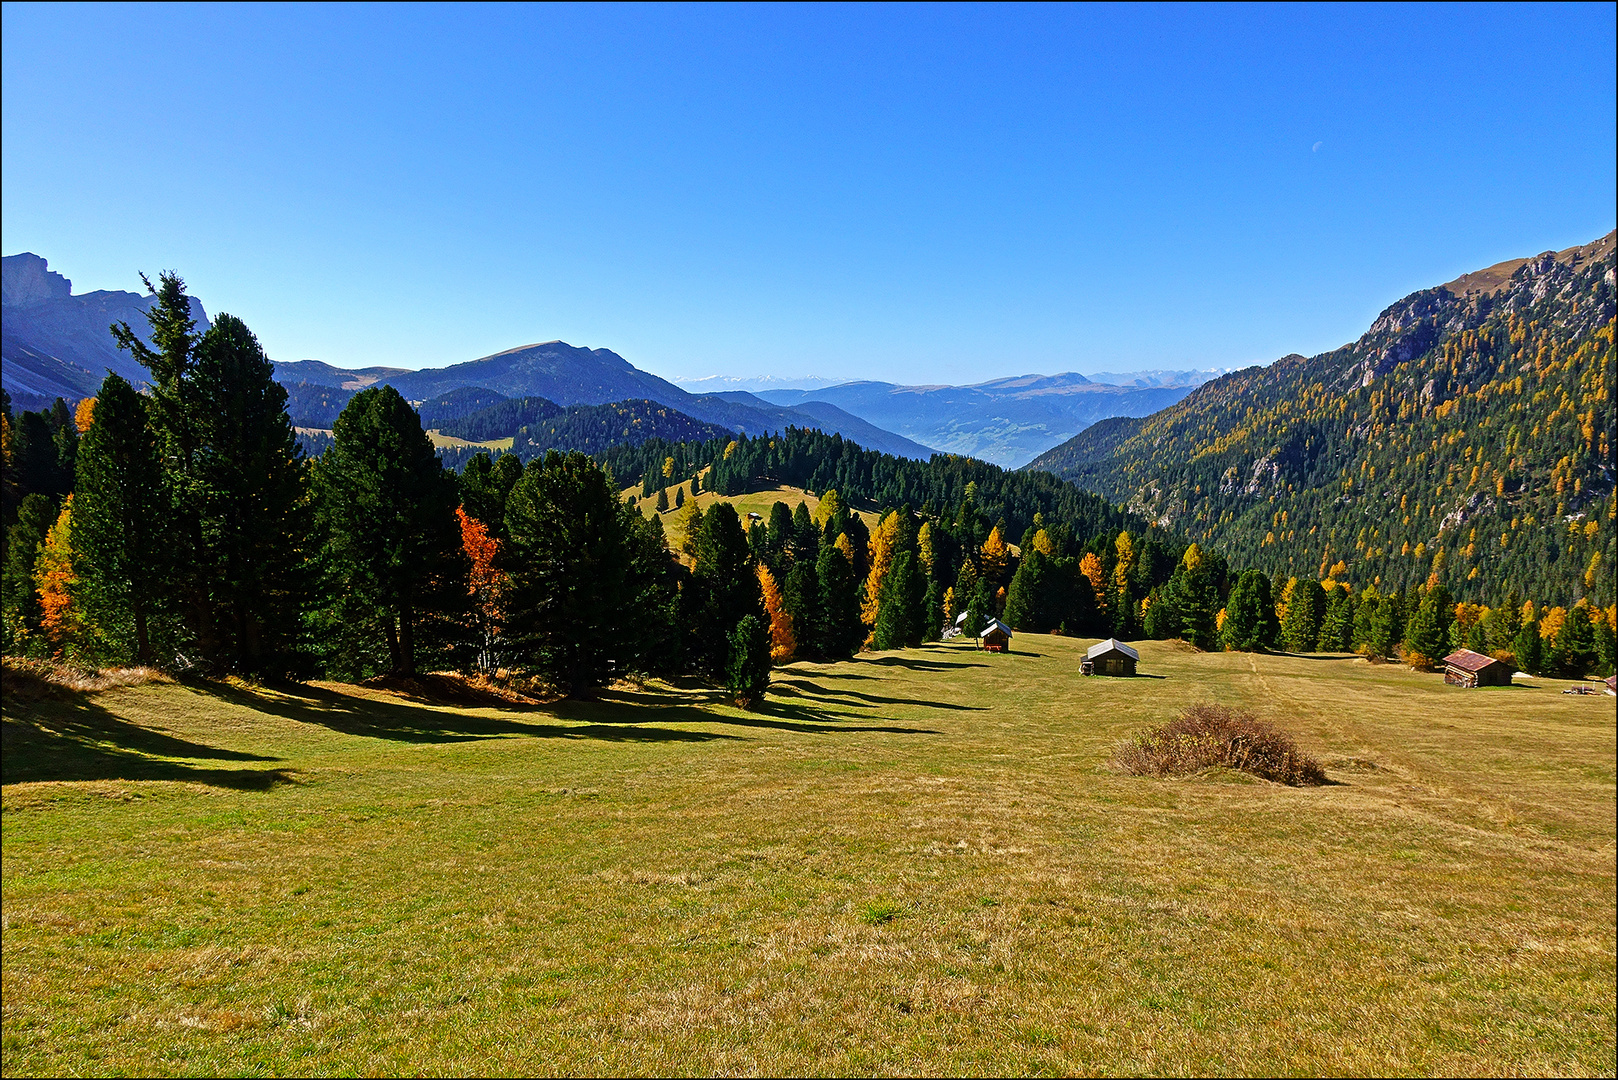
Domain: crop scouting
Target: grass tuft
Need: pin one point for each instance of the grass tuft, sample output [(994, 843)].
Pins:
[(879, 912), (1211, 736)]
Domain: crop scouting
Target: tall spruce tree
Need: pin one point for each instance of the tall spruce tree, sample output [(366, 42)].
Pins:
[(387, 510), (1426, 638), (1575, 652), (724, 590), (248, 483), (571, 574), (801, 600), (901, 611), (840, 631), (1528, 648), (118, 523), (1250, 614), (747, 664), (1300, 629), (23, 612)]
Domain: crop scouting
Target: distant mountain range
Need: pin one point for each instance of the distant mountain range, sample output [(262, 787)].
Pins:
[(1470, 433), (569, 375), (1007, 421), (55, 344)]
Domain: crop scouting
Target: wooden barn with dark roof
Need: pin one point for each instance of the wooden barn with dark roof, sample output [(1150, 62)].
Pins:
[(1467, 668)]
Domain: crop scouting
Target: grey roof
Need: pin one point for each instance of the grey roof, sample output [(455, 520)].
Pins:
[(962, 617), (1110, 645), (991, 624)]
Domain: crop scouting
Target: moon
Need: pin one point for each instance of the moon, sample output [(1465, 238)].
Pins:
[(1316, 148)]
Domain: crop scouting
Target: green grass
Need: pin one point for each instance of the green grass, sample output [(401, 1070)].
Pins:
[(759, 499), (915, 862)]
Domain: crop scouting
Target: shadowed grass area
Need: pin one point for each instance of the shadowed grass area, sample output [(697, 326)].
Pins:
[(912, 862)]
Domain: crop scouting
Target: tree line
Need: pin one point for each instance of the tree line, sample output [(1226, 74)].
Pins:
[(184, 526)]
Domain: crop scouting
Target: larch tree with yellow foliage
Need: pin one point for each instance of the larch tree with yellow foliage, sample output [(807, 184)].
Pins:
[(783, 639), (55, 578)]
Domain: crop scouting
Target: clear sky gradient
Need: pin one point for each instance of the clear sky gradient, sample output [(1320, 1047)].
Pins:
[(922, 194)]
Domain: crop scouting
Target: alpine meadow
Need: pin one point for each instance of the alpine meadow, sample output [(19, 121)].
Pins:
[(931, 646)]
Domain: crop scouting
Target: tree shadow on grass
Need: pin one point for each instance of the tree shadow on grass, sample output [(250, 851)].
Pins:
[(804, 687), (801, 718), (407, 721), (913, 663), (73, 738)]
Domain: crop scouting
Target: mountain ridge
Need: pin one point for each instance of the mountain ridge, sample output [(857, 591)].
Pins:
[(1464, 434)]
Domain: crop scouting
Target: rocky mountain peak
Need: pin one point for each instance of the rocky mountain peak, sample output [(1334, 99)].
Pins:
[(28, 279)]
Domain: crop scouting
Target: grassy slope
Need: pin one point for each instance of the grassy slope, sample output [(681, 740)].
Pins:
[(440, 440), (655, 882), (758, 501)]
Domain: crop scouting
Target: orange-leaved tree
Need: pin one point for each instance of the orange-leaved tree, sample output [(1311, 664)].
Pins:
[(783, 639), (54, 577), (486, 583)]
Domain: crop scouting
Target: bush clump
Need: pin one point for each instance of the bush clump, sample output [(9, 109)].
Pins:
[(1209, 735)]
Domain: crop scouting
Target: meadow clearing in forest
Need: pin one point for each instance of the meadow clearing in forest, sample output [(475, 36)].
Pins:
[(912, 862)]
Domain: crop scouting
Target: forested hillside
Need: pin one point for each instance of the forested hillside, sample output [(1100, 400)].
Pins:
[(820, 462), (1468, 434)]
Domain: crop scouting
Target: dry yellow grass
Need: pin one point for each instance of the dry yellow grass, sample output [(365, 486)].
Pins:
[(916, 862), (440, 440)]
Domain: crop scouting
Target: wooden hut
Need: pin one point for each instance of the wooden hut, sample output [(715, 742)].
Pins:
[(995, 636), (1467, 668), (1110, 657)]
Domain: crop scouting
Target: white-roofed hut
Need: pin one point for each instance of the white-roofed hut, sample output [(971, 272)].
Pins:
[(1110, 657)]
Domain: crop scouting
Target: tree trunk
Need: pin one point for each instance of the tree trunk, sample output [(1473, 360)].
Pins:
[(405, 662), (143, 643), (392, 635)]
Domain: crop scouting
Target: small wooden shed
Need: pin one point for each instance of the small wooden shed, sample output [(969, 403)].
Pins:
[(1110, 657), (1468, 668), (995, 636)]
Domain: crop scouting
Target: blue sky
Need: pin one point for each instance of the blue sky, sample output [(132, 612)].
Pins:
[(923, 194)]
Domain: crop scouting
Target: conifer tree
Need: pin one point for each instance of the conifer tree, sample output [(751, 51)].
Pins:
[(569, 618), (802, 603), (841, 630), (388, 510), (1029, 598), (248, 482), (901, 611), (485, 483), (780, 538), (1198, 598), (804, 544), (1427, 634), (679, 497), (993, 558), (1250, 624), (24, 541), (662, 500), (1090, 566), (1305, 609), (118, 526), (1527, 648), (747, 666), (724, 590), (1576, 644)]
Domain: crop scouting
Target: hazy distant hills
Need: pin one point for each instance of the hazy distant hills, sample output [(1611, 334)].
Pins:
[(55, 344), (1475, 419), (1007, 421), (569, 375)]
